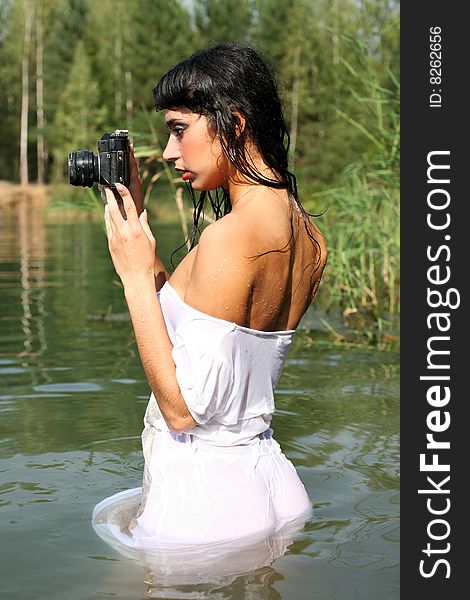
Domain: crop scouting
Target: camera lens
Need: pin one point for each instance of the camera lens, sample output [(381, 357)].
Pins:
[(81, 168)]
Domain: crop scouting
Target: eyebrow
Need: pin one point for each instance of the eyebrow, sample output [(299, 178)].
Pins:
[(171, 122)]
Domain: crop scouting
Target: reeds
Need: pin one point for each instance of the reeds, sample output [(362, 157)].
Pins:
[(362, 275), (362, 223)]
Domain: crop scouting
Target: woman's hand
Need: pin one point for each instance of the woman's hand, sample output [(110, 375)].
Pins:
[(130, 240)]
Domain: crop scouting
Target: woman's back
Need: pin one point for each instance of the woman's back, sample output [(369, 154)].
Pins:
[(258, 266)]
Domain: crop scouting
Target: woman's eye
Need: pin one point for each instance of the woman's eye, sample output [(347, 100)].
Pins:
[(178, 130)]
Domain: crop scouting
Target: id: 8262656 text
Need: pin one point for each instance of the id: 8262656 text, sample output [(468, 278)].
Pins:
[(435, 67)]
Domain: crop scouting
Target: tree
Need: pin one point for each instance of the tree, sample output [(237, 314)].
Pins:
[(109, 55), (309, 44), (65, 24), (79, 119), (11, 36), (147, 37), (40, 120), (223, 20), (25, 94), (160, 36)]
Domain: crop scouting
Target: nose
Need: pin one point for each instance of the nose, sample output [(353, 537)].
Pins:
[(171, 151)]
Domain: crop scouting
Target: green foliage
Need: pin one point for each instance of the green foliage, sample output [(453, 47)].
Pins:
[(65, 22), (11, 43), (159, 37), (223, 20), (79, 118), (4, 14), (362, 274)]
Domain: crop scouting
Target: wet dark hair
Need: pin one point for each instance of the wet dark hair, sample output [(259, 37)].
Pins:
[(219, 82)]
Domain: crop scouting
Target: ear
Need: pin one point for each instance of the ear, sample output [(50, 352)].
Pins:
[(240, 122)]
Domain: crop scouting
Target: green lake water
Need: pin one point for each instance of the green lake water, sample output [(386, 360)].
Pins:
[(72, 399)]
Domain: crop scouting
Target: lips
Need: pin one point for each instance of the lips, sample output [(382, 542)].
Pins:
[(185, 174)]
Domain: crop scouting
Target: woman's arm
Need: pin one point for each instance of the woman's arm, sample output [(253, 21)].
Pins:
[(132, 248)]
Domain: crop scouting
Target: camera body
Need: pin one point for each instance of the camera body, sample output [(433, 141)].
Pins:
[(108, 167)]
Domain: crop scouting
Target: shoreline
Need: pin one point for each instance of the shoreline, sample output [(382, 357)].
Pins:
[(11, 192)]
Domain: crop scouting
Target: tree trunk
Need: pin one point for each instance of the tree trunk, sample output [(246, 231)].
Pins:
[(129, 101), (25, 96), (117, 79), (40, 147)]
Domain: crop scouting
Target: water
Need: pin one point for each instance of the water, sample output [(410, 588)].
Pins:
[(72, 398)]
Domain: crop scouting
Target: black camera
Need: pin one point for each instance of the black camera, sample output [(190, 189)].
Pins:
[(108, 167)]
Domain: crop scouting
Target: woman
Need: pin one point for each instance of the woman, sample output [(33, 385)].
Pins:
[(214, 335)]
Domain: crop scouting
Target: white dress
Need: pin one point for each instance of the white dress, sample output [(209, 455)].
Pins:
[(226, 479)]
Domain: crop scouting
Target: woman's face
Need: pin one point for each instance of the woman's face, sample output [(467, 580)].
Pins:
[(195, 150)]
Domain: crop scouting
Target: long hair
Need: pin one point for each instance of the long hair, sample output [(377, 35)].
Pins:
[(222, 82)]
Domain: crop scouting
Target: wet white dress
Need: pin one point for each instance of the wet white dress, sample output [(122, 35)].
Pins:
[(226, 479)]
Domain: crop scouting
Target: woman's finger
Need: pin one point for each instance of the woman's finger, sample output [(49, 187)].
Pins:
[(108, 223), (112, 204), (128, 202), (145, 225)]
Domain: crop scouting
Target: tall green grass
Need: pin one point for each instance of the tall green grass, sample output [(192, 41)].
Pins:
[(362, 276), (362, 221)]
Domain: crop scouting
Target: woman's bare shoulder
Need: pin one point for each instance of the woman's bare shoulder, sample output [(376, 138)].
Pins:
[(230, 228), (222, 273)]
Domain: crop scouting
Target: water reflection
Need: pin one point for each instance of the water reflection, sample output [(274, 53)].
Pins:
[(212, 571), (255, 585), (27, 246)]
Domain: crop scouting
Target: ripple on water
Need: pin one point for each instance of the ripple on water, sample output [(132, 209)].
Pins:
[(77, 386), (12, 370)]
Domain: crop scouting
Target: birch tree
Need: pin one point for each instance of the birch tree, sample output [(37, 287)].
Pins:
[(28, 19), (40, 119)]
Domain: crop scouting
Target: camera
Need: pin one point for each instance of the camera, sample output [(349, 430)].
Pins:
[(108, 167)]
